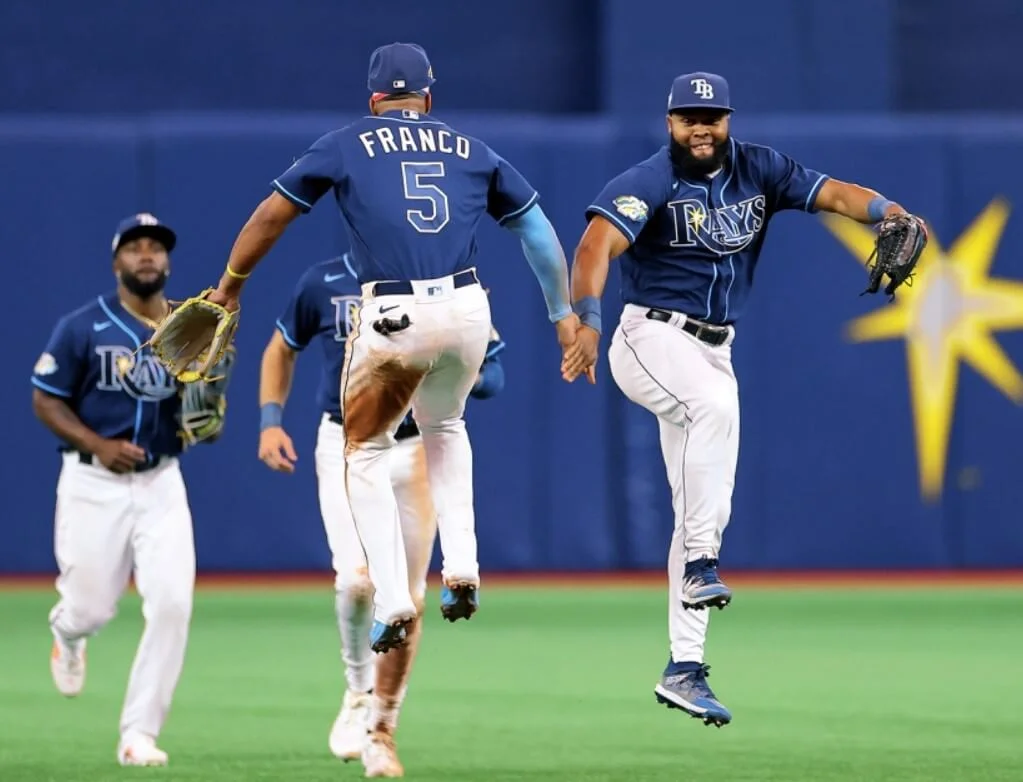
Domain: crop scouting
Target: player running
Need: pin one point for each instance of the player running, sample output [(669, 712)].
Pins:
[(321, 310), (122, 508), (689, 224), (412, 191)]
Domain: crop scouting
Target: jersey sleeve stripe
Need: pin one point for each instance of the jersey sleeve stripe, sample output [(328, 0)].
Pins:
[(614, 220), (521, 210), (291, 196), (808, 206), (287, 337), (50, 389)]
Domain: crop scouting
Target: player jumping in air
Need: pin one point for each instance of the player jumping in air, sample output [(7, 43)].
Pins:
[(412, 191), (689, 224)]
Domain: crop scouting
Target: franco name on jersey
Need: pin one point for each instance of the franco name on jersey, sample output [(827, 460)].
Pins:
[(420, 138)]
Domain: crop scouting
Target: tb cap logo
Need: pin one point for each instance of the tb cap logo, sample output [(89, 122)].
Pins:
[(702, 88)]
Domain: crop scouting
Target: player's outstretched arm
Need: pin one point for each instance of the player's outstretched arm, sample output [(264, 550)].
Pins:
[(276, 372), (855, 202), (601, 242), (543, 251), (115, 455), (260, 232)]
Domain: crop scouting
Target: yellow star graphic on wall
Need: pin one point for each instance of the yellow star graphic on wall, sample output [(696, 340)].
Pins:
[(948, 316)]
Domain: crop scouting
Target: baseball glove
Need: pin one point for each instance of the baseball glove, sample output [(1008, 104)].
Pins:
[(193, 338), (204, 403), (901, 239)]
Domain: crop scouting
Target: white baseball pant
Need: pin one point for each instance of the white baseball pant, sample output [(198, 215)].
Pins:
[(691, 387), (418, 531), (432, 365), (107, 527)]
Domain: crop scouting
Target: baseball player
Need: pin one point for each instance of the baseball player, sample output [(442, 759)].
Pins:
[(322, 309), (412, 190), (689, 224), (121, 505)]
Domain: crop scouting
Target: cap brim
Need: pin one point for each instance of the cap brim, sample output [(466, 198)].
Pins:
[(161, 233), (701, 106)]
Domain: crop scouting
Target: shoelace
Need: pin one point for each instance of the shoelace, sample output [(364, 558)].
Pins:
[(696, 679), (705, 572)]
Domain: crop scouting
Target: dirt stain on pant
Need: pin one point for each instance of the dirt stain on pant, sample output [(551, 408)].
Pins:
[(376, 397)]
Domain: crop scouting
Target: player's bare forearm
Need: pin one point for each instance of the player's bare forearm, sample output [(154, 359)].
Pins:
[(276, 371), (589, 270), (62, 421), (600, 243), (259, 234), (854, 202)]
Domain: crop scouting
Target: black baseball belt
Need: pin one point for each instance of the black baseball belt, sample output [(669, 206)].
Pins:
[(705, 332), (88, 458), (404, 287)]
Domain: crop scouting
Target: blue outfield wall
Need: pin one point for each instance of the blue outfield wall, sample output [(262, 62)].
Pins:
[(570, 477)]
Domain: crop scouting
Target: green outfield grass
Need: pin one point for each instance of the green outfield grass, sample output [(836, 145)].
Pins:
[(826, 685)]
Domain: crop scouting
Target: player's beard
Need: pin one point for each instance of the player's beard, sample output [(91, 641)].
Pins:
[(144, 289), (691, 166)]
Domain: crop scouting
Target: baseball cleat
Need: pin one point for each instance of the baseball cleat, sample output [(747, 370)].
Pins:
[(348, 734), (459, 600), (67, 665), (380, 756), (701, 586), (384, 637), (140, 750), (684, 686)]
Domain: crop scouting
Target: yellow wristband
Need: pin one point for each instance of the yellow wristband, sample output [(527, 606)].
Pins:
[(232, 273)]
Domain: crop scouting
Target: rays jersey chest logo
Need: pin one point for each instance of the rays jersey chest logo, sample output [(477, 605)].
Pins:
[(139, 376), (346, 315), (723, 231)]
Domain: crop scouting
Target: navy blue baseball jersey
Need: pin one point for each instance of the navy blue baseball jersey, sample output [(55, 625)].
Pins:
[(89, 363), (321, 309), (412, 191), (694, 244)]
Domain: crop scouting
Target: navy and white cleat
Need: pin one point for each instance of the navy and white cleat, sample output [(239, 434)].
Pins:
[(701, 586), (684, 686), (459, 600), (384, 637)]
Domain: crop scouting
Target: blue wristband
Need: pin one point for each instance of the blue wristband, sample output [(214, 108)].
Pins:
[(588, 310), (877, 207), (270, 414)]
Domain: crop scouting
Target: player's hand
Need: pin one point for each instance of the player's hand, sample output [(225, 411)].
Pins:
[(276, 450), (227, 300), (568, 331), (581, 357), (119, 455), (567, 328)]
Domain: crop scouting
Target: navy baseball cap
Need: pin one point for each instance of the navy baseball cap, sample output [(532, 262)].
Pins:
[(143, 224), (399, 67), (699, 91)]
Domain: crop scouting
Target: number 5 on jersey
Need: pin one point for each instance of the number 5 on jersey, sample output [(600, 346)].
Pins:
[(418, 187)]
